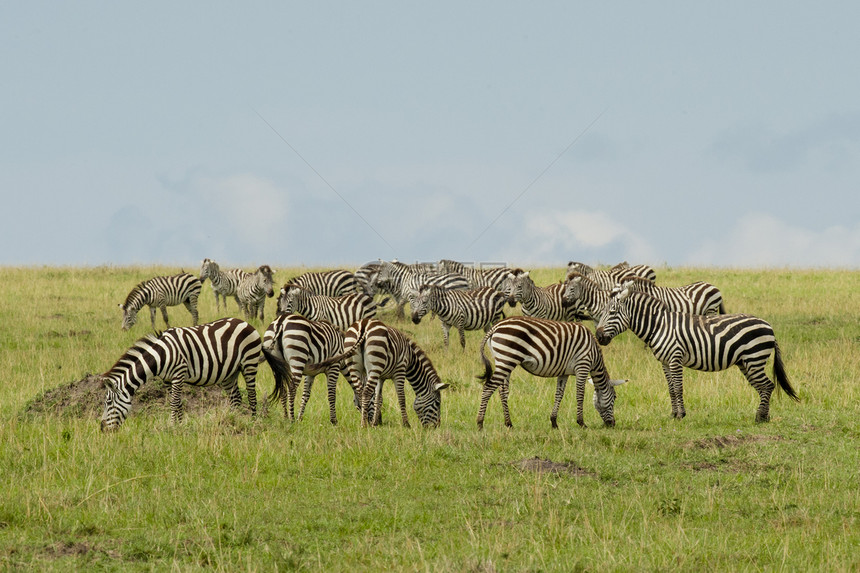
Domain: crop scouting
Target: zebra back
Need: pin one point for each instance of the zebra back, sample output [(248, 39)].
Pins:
[(340, 311), (329, 283), (696, 298), (469, 309)]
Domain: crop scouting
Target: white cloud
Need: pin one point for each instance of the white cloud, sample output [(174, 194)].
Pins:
[(252, 208), (761, 240)]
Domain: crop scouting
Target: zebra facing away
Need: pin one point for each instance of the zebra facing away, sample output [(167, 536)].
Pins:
[(546, 348), (705, 343), (341, 311), (253, 290), (462, 309), (696, 298), (377, 352), (329, 283), (291, 344), (161, 292), (213, 353), (224, 283)]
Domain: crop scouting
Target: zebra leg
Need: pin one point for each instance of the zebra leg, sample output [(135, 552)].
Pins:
[(164, 316), (176, 400), (674, 372), (249, 374), (331, 376), (462, 330), (367, 395), (758, 379), (152, 316), (191, 305), (399, 387), (306, 395), (377, 403), (561, 384), (446, 331), (231, 386), (581, 377), (499, 378)]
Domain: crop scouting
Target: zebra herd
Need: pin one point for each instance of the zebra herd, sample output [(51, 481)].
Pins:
[(326, 323)]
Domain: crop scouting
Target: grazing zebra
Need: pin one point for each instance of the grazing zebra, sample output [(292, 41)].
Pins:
[(401, 281), (213, 353), (253, 290), (377, 352), (582, 292), (607, 280), (340, 311), (540, 302), (291, 344), (546, 348), (463, 309), (705, 343), (328, 283), (696, 298), (161, 292), (493, 278), (224, 283)]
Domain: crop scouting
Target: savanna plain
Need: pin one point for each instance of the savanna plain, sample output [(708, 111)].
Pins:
[(223, 491)]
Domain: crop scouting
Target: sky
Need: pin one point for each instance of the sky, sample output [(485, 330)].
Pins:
[(335, 133)]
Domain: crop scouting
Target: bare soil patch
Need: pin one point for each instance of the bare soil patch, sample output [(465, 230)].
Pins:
[(721, 442), (540, 465)]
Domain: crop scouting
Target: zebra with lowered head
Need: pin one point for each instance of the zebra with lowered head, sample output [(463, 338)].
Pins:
[(376, 352), (341, 311), (213, 353), (546, 348), (540, 302), (253, 290), (161, 292), (705, 343), (462, 309), (224, 283), (329, 283), (292, 344)]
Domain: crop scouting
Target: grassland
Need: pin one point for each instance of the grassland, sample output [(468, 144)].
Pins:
[(221, 491)]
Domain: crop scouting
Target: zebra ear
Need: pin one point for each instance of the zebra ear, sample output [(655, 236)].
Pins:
[(440, 386), (525, 274), (121, 306)]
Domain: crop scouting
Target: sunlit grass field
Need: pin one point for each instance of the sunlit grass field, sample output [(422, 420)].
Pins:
[(222, 491)]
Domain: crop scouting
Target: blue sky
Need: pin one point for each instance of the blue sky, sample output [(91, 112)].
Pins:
[(336, 133)]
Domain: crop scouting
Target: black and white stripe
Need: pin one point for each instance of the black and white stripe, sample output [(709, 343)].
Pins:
[(161, 292), (696, 298), (583, 293), (546, 348), (365, 278), (402, 281), (329, 283), (292, 344), (213, 353), (607, 280), (224, 283), (340, 311), (477, 278), (706, 343), (462, 309), (540, 302), (253, 290)]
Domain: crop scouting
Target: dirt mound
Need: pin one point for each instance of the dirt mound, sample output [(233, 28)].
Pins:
[(540, 465), (729, 441), (84, 398)]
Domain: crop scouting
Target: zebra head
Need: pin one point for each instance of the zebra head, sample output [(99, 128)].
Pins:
[(615, 318), (286, 298), (208, 269), (572, 289), (117, 406), (129, 316), (512, 286), (422, 301), (428, 405), (265, 280), (604, 399)]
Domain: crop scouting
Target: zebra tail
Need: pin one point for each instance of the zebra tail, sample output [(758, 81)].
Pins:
[(281, 370), (488, 369), (780, 375), (335, 359)]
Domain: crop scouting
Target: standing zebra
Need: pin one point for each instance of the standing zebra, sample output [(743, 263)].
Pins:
[(341, 311), (402, 280), (582, 292), (546, 348), (463, 309), (253, 290), (213, 353), (540, 302), (705, 343), (365, 278), (329, 283), (224, 283), (291, 344), (493, 278), (377, 352), (607, 280), (161, 292), (696, 298)]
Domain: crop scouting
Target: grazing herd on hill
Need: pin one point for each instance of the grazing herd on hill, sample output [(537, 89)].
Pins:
[(326, 324)]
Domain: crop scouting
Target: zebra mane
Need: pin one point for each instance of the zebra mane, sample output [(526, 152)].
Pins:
[(571, 275), (134, 351), (636, 281), (136, 295)]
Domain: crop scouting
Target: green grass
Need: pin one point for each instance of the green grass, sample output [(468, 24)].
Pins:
[(222, 491)]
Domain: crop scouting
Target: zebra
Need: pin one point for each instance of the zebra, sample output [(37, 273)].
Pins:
[(378, 352), (696, 298), (212, 353), (540, 302), (161, 292), (580, 291), (224, 283), (253, 290), (400, 281), (291, 343), (609, 279), (546, 348), (463, 309), (705, 343), (365, 278), (329, 283), (493, 278), (340, 311)]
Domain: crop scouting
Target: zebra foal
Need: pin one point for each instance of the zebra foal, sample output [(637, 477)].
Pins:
[(161, 292), (462, 309), (705, 343), (213, 353), (546, 348)]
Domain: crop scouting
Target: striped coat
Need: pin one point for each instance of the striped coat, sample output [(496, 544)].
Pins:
[(161, 292), (462, 309)]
